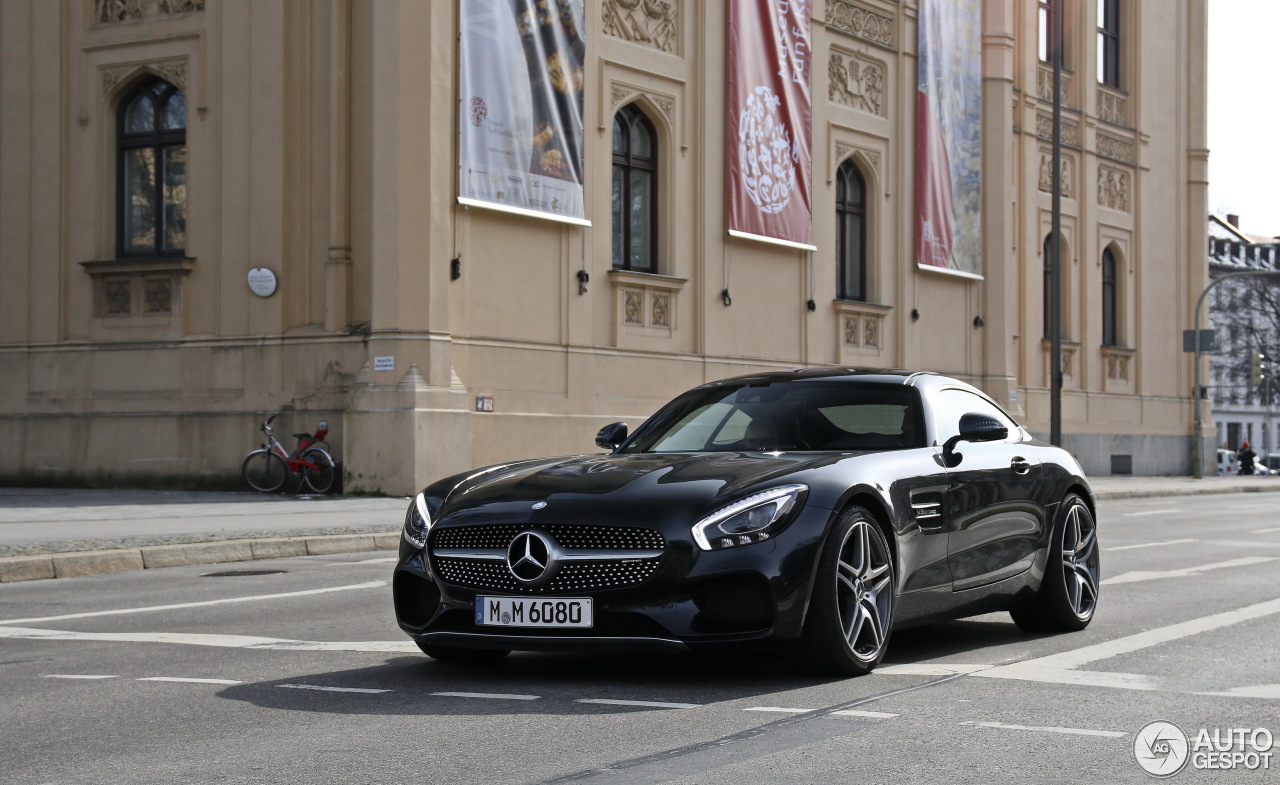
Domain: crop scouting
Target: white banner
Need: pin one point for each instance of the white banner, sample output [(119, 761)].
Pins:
[(520, 84)]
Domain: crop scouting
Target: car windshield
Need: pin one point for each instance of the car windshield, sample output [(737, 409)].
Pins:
[(786, 416)]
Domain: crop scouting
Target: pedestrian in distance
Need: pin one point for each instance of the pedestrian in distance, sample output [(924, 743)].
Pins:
[(1247, 456)]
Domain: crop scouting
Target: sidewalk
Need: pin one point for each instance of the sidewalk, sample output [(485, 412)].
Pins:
[(48, 533)]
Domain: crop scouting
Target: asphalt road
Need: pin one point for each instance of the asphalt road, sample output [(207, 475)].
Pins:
[(171, 675)]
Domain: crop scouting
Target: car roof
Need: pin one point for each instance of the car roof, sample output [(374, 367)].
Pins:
[(828, 373)]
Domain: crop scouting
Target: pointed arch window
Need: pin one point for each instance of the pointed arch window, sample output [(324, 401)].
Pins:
[(151, 171), (1110, 306), (635, 192), (851, 233)]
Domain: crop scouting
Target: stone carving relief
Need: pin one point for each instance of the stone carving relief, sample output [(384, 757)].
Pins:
[(174, 71), (1118, 367), (1115, 147), (633, 300), (1112, 107), (660, 310), (624, 93), (1070, 129), (1044, 85), (863, 330), (851, 330), (650, 22), (861, 21), (844, 150), (159, 295), (1113, 188), (124, 10), (1046, 175), (856, 82)]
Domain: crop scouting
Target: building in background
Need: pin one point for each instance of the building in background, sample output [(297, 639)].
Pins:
[(1245, 314), (214, 210)]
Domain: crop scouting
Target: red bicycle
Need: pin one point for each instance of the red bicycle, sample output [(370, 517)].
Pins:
[(267, 468)]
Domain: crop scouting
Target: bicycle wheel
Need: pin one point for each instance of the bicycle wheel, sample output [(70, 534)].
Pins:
[(320, 478), (264, 471)]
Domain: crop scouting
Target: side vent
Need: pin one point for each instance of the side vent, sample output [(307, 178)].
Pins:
[(926, 507)]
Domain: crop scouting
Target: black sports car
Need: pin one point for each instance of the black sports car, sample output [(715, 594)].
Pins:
[(811, 511)]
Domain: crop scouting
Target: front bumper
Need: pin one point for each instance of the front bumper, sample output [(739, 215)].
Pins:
[(749, 594)]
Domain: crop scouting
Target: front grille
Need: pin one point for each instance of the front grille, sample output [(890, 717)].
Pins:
[(616, 562), (567, 534)]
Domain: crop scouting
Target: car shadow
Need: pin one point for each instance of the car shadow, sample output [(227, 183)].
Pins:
[(561, 682), (947, 638)]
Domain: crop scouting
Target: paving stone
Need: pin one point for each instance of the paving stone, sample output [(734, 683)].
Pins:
[(196, 553), (75, 565), (26, 568), (279, 547)]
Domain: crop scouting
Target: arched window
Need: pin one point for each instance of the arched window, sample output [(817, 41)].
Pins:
[(851, 233), (1110, 308), (151, 147), (635, 191)]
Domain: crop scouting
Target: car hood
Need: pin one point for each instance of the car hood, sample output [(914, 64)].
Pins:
[(629, 482)]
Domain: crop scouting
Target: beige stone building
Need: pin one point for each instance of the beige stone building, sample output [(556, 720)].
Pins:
[(318, 139)]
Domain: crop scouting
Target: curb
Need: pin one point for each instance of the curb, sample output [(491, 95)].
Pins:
[(1170, 492), (76, 564)]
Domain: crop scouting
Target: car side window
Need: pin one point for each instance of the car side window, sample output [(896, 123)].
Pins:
[(951, 405)]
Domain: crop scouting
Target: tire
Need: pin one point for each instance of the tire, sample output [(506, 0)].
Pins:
[(451, 654), (850, 614), (264, 471), (1068, 594), (321, 478)]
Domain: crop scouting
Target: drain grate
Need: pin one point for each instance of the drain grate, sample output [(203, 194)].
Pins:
[(241, 573)]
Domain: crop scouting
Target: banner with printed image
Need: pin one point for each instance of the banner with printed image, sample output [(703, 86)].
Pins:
[(520, 80), (769, 195), (949, 136)]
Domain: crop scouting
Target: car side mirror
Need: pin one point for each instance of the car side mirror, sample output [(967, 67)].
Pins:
[(974, 427), (612, 435)]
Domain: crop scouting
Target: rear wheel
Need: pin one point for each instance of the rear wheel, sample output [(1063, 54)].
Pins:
[(320, 478), (1069, 593), (264, 471), (452, 654), (850, 615)]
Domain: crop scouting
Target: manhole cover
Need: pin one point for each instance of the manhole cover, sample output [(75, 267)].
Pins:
[(241, 573)]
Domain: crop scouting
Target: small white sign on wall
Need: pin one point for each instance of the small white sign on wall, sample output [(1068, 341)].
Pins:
[(262, 281), (386, 363)]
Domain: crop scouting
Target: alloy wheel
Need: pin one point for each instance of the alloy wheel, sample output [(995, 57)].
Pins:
[(864, 590), (1080, 560)]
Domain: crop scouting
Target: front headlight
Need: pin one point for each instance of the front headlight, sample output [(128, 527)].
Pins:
[(417, 522), (749, 520)]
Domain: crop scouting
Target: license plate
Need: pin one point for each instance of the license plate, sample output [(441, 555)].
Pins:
[(533, 612)]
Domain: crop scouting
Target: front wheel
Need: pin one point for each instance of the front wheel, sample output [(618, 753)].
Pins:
[(850, 615), (1069, 592), (264, 471), (320, 479)]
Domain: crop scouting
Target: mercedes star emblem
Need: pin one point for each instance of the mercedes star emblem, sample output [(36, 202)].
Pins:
[(529, 557)]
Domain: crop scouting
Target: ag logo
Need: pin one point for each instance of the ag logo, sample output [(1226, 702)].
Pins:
[(1161, 749)]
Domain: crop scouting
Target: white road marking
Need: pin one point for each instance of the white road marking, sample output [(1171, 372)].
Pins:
[(360, 690), (875, 715), (1061, 668), (778, 709), (1147, 545), (1148, 512), (76, 676), (649, 704), (1264, 691), (183, 680), (493, 695), (203, 604), (1111, 734), (1142, 575), (1266, 531), (927, 669), (220, 641)]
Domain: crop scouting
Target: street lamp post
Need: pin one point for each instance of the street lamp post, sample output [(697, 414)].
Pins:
[(1197, 447)]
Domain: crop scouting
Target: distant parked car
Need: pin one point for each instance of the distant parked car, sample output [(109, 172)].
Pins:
[(1268, 464), (1228, 463)]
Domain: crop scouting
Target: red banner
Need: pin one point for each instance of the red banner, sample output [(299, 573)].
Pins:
[(770, 190)]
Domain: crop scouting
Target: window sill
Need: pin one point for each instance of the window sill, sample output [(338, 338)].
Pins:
[(646, 301), (174, 265), (647, 280)]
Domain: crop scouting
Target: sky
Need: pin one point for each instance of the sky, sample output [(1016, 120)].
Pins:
[(1244, 113)]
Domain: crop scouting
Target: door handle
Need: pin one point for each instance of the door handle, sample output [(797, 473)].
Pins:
[(1020, 466)]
